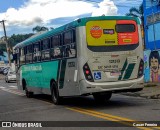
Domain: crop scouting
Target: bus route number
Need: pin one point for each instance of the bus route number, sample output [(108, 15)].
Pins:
[(114, 61)]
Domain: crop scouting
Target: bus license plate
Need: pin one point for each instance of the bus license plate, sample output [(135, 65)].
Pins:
[(115, 73)]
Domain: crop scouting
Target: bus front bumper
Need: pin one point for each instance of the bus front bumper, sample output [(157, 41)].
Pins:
[(120, 86)]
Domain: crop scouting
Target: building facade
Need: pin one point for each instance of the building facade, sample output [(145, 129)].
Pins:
[(152, 40)]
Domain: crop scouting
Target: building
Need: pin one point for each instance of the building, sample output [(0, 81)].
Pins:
[(152, 40), (152, 24)]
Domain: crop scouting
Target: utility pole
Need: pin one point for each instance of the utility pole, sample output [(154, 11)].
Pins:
[(7, 46)]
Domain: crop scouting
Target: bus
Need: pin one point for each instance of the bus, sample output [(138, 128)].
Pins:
[(90, 56)]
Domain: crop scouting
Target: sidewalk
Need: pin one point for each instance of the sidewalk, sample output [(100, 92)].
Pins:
[(150, 91)]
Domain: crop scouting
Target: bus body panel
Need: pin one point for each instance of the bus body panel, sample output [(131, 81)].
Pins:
[(68, 80), (117, 65), (99, 61), (121, 86), (39, 75)]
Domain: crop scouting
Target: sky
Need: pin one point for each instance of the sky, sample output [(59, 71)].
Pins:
[(22, 15)]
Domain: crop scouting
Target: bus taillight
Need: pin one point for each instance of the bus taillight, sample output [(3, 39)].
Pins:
[(87, 73), (141, 67)]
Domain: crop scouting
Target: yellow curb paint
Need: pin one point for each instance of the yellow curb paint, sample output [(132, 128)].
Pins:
[(107, 117), (111, 116)]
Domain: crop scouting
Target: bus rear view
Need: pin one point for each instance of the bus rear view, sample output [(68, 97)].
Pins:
[(113, 57), (94, 55)]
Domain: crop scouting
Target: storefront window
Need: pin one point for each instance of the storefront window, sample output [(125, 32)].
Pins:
[(150, 33), (157, 34)]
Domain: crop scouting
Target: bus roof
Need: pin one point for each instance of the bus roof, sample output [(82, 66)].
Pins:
[(76, 23)]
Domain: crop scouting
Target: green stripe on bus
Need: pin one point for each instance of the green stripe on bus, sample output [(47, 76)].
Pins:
[(123, 69), (129, 71), (62, 73)]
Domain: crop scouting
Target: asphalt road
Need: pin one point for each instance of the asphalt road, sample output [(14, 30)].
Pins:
[(76, 112)]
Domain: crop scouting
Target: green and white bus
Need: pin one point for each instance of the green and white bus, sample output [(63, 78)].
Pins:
[(90, 56)]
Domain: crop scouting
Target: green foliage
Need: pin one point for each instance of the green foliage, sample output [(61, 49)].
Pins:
[(136, 12), (40, 28), (2, 46), (14, 39)]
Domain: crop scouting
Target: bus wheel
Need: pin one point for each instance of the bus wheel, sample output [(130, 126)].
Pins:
[(102, 97), (6, 80), (55, 94), (28, 94)]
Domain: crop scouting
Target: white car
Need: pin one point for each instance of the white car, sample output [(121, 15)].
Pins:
[(11, 76)]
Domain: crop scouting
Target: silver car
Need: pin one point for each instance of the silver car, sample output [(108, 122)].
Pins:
[(11, 76)]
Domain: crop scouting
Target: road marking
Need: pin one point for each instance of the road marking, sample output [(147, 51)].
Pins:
[(11, 91), (109, 117), (14, 92), (1, 87), (14, 87)]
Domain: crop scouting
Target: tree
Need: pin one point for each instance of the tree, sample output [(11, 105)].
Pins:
[(14, 39), (2, 48), (2, 45), (137, 12), (40, 28)]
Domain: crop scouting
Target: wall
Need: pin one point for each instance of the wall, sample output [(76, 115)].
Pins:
[(152, 41), (151, 24), (151, 66)]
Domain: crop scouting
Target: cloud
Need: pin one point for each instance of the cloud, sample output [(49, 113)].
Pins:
[(42, 11), (52, 13), (106, 7)]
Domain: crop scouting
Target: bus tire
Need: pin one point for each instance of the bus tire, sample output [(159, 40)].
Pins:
[(6, 80), (28, 94), (102, 97), (55, 94)]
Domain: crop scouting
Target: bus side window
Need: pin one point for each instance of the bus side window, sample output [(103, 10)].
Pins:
[(45, 44), (67, 37), (69, 44), (18, 57), (37, 53), (22, 56), (72, 50), (55, 47), (29, 50), (57, 52)]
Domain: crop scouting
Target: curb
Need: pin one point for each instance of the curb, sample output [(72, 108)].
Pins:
[(155, 96)]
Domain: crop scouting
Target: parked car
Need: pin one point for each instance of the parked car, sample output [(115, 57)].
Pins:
[(11, 76), (5, 70), (1, 70)]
